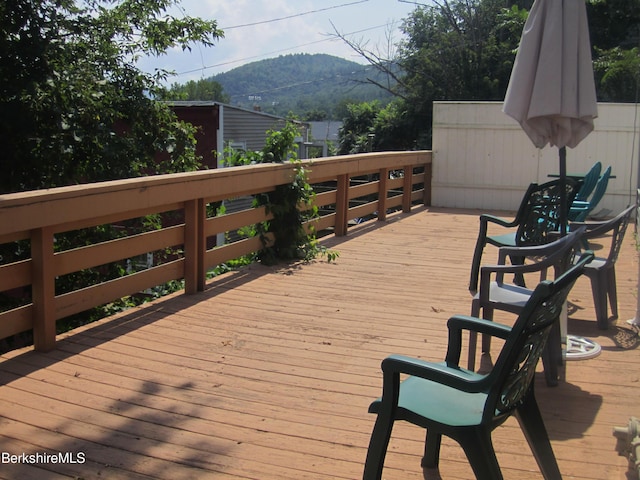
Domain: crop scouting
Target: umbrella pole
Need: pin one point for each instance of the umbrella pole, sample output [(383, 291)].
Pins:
[(576, 348), (563, 191)]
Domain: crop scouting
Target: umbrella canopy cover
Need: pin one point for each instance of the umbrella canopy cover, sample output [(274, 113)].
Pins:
[(551, 91)]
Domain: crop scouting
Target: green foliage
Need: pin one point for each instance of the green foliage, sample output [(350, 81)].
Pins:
[(614, 27), (614, 24), (73, 105), (206, 90), (617, 74), (454, 50), (460, 50), (356, 134), (231, 265)]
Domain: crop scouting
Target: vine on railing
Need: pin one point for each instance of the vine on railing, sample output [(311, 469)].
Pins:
[(291, 204)]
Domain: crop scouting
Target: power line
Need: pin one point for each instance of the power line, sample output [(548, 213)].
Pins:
[(294, 16)]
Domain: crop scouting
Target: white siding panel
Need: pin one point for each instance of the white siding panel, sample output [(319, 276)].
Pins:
[(483, 159), (248, 127)]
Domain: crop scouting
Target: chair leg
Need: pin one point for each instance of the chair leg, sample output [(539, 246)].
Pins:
[(477, 257), (478, 447), (487, 314), (431, 457), (599, 291), (530, 419), (473, 342), (518, 278), (378, 447), (612, 291), (552, 356), (473, 336)]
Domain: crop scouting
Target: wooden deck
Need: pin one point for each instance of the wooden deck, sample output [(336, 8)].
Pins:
[(268, 373)]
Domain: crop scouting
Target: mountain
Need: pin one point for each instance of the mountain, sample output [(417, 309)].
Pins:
[(301, 83)]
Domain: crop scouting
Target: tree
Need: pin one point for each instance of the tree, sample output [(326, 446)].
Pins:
[(614, 27), (454, 50), (459, 50), (205, 89), (73, 105), (356, 134)]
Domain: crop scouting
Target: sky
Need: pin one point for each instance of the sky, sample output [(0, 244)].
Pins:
[(260, 29)]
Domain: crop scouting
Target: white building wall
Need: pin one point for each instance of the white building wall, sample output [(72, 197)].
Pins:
[(482, 159)]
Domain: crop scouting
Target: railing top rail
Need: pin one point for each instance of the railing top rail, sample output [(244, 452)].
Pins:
[(24, 211)]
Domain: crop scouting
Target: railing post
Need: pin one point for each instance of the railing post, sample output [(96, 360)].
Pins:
[(382, 194), (194, 245), (342, 205), (407, 188), (202, 244), (427, 184), (43, 289)]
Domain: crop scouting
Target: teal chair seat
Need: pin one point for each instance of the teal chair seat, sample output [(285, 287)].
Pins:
[(441, 402)]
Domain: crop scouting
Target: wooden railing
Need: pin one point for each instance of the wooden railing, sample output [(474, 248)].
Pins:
[(386, 181)]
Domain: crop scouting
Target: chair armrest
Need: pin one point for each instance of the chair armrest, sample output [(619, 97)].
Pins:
[(578, 209), (524, 251), (500, 221), (549, 250), (458, 323), (593, 229), (442, 373), (579, 204), (499, 270), (479, 325)]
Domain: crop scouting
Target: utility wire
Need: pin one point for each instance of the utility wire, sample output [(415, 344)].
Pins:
[(294, 16)]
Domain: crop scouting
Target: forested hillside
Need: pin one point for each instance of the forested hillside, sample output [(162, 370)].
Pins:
[(302, 84)]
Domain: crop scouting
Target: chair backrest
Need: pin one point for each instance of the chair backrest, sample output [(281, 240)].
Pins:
[(516, 365), (589, 182), (540, 211), (617, 226), (598, 193), (558, 254)]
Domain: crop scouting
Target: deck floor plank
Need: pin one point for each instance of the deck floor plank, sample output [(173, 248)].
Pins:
[(269, 372)]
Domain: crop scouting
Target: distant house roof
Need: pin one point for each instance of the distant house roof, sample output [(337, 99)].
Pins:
[(207, 103)]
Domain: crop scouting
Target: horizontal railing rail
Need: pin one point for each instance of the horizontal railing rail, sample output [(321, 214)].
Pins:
[(186, 246)]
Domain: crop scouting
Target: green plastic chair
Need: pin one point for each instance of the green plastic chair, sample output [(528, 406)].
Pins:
[(497, 294), (580, 210), (602, 271), (446, 399), (537, 217), (589, 182)]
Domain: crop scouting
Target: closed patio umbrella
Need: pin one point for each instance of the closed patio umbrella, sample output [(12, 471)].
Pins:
[(552, 95), (551, 91)]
